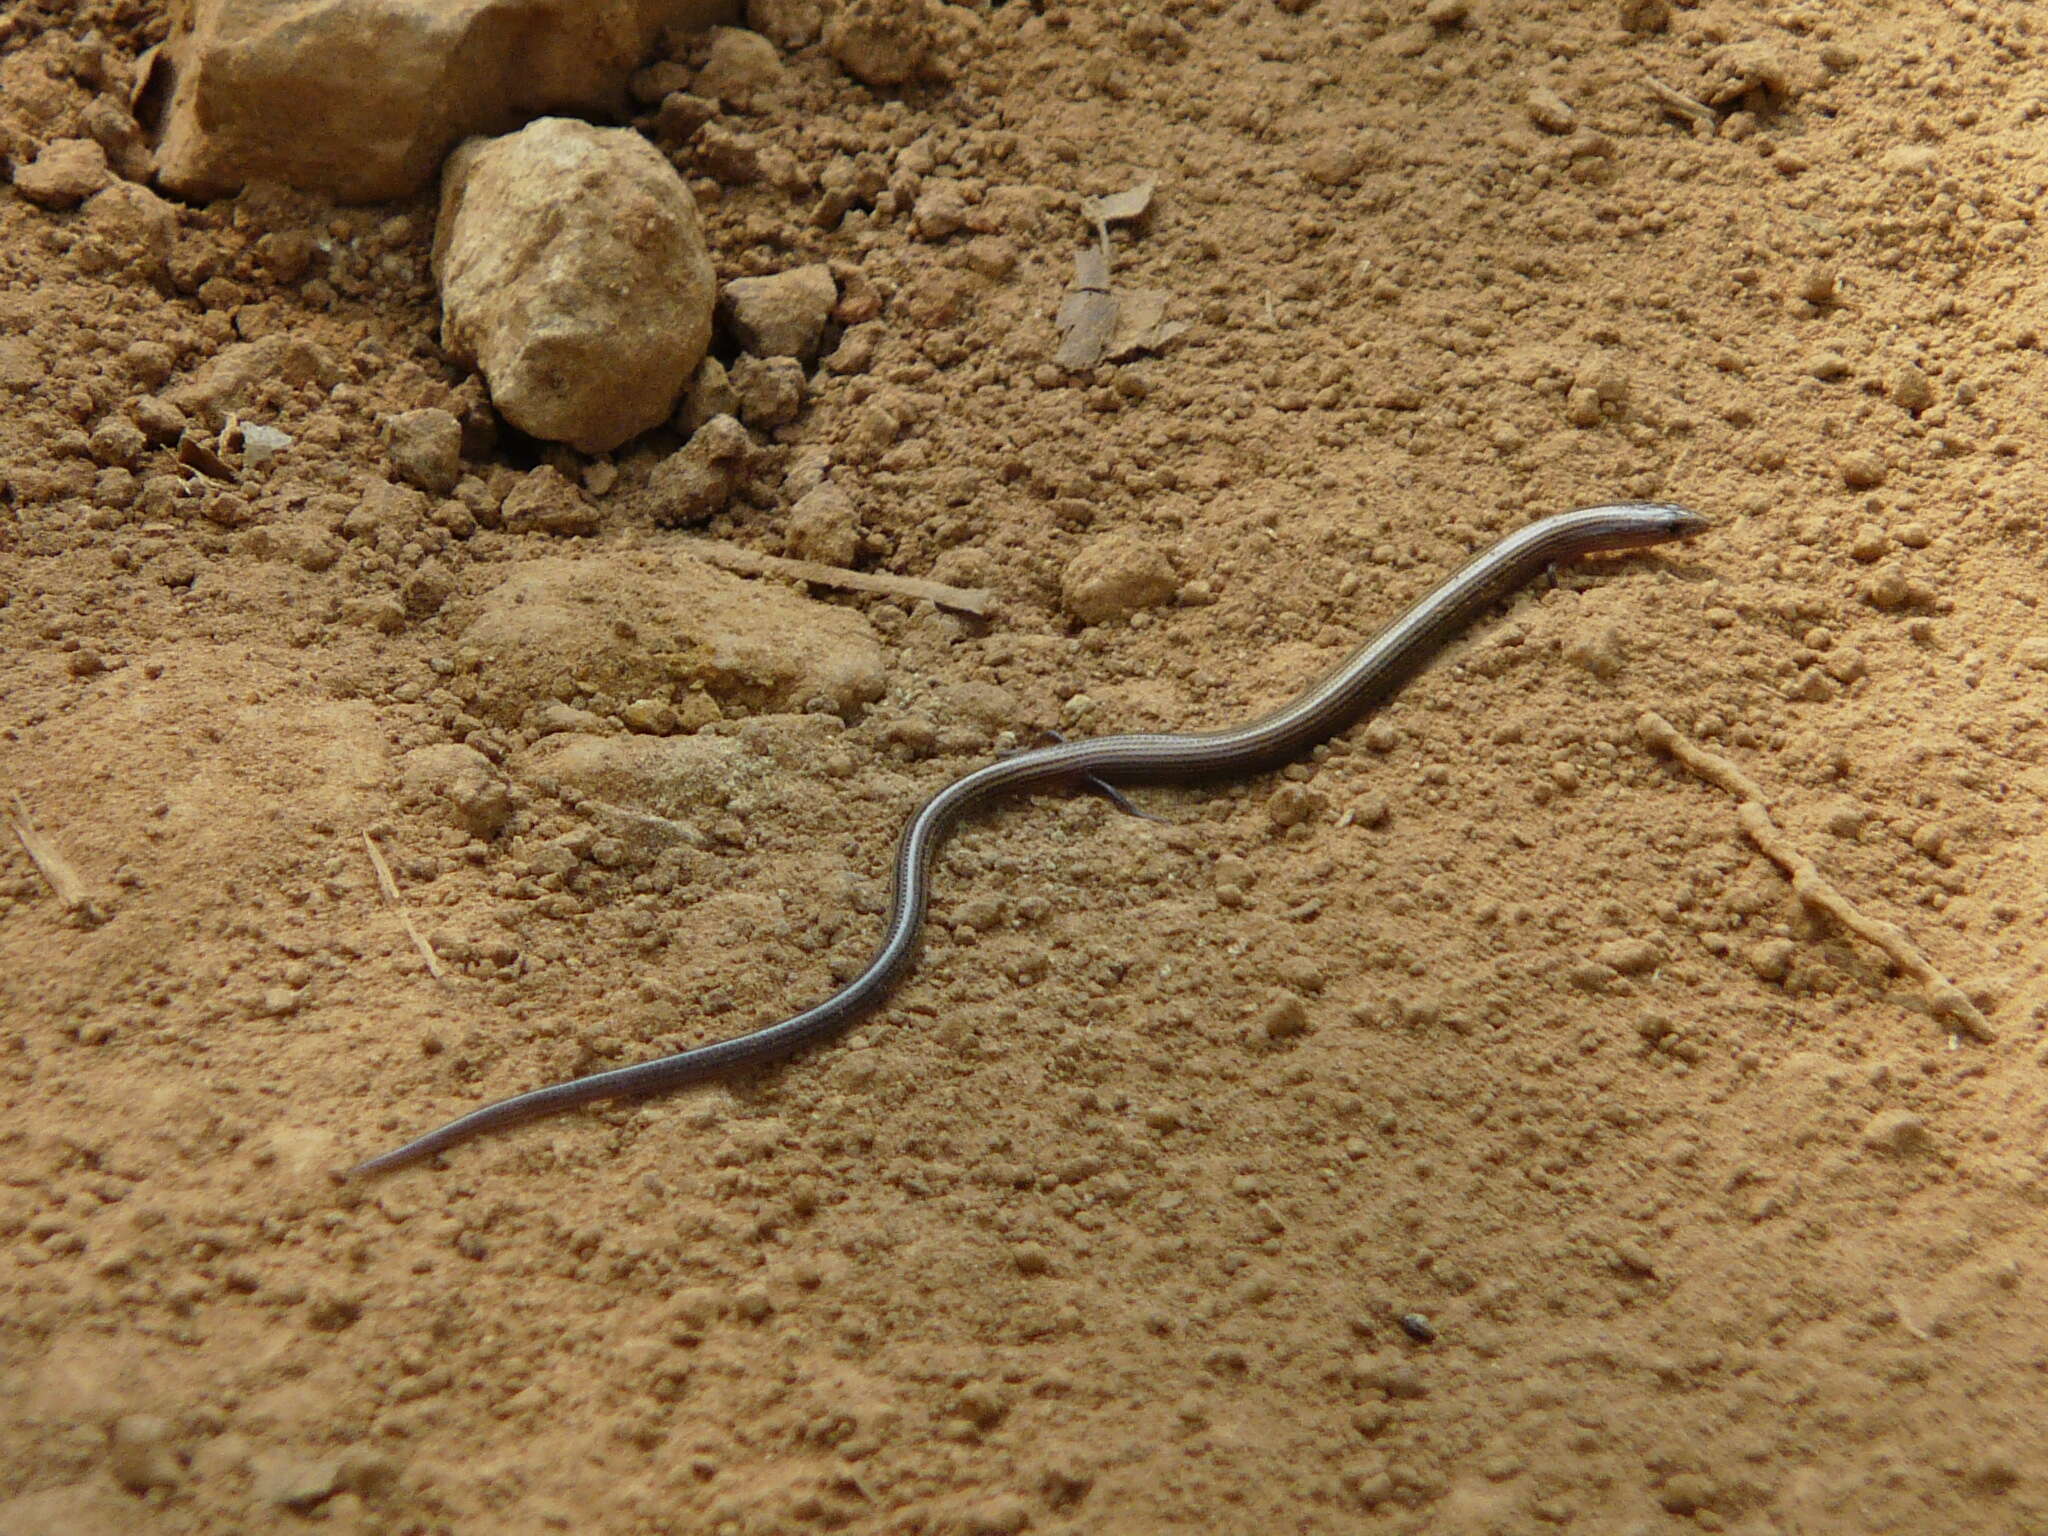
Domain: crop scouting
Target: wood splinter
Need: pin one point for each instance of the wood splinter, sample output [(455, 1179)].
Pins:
[(64, 881)]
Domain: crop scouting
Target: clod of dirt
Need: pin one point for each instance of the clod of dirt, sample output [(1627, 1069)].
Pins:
[(786, 23), (545, 502), (1896, 1131), (130, 229), (462, 780), (294, 1482), (693, 484), (882, 42), (553, 624), (1756, 71), (140, 1454), (1550, 111), (1114, 577), (709, 393), (824, 526), (744, 71), (238, 377), (65, 174), (573, 274)]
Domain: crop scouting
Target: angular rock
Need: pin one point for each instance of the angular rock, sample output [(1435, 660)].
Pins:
[(770, 390), (643, 626), (783, 315), (545, 502), (694, 483), (426, 448), (361, 99), (573, 274), (65, 174)]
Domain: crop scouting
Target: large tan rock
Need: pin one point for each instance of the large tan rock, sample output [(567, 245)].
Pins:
[(361, 98), (574, 276)]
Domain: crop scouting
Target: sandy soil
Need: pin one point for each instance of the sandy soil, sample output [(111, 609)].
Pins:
[(1489, 1014)]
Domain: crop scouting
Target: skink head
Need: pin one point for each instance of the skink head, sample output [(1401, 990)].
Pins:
[(1683, 521), (1634, 524)]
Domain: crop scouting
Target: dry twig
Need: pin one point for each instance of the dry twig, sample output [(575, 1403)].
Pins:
[(1676, 101), (1812, 887), (748, 562), (389, 887), (65, 882)]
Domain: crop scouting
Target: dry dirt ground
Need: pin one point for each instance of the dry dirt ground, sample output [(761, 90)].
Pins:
[(1489, 1013)]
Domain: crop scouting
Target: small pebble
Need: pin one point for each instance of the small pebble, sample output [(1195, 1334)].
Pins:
[(426, 448), (1772, 959), (1283, 1018), (1292, 804), (1911, 389), (294, 1482), (1631, 957), (1895, 1130), (1550, 111), (1862, 470), (139, 1453)]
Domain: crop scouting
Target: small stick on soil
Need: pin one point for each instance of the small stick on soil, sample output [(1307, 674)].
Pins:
[(749, 562), (1753, 815), (389, 887), (1698, 112), (65, 883)]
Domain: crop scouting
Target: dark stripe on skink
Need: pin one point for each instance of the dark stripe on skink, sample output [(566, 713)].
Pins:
[(1380, 666)]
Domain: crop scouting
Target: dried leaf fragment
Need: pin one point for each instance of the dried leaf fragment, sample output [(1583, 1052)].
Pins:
[(1117, 207)]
